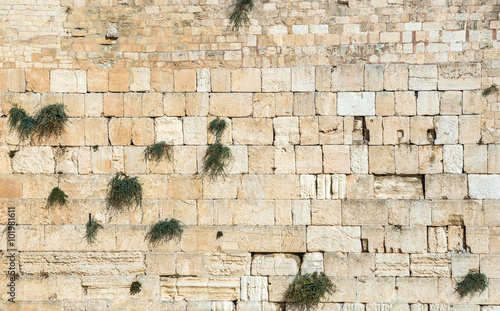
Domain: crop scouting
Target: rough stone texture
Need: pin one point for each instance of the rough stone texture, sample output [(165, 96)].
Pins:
[(356, 104)]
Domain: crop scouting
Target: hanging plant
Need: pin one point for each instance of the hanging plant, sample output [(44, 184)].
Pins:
[(473, 282), (123, 191), (57, 197), (92, 227), (239, 15), (135, 287), (217, 156), (158, 152), (164, 231), (22, 123), (308, 289)]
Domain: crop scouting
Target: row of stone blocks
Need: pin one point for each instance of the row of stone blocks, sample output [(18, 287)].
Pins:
[(343, 78)]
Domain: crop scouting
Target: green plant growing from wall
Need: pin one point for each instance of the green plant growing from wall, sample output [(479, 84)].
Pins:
[(57, 197), (158, 152), (219, 235), (308, 289), (92, 227), (123, 191), (239, 14), (22, 123), (490, 90), (473, 282), (135, 287), (217, 156), (164, 231)]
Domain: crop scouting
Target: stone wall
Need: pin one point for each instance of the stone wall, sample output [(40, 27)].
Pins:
[(362, 147)]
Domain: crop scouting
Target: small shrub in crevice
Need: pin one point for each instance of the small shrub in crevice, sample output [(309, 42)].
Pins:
[(12, 153), (158, 152), (217, 156), (123, 191), (22, 123), (473, 282), (164, 231), (219, 235), (135, 287), (239, 15), (92, 227), (490, 90), (57, 197), (50, 121), (308, 289)]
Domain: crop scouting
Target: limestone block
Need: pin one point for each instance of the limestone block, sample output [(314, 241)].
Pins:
[(392, 265), (461, 264), (185, 80), (160, 263), (303, 79), (152, 105), (283, 213), (113, 105), (260, 159), (406, 239), (422, 130), (469, 129), (301, 212), (220, 79), (423, 77), (333, 239), (162, 80), (238, 212), (395, 187), (252, 131), (229, 264), (405, 103), (477, 239), (254, 288), (446, 186), (427, 103), (374, 130), (278, 286), (264, 105), (360, 186), (413, 290), (197, 104), (336, 264), (184, 161), (68, 81), (308, 186), (231, 105), (430, 159), (451, 103), (381, 159), (406, 159), (34, 160), (374, 77), (174, 105), (118, 80), (359, 159), (361, 265), (312, 262), (396, 130), (364, 212), (446, 130), (286, 131), (474, 102), (396, 77), (331, 130), (483, 186), (384, 103), (37, 80), (378, 289), (475, 158), (309, 130), (374, 237), (453, 159), (189, 263), (169, 129), (276, 80), (459, 76), (348, 78), (245, 80), (308, 159), (184, 187), (142, 131), (120, 131), (93, 105), (75, 104), (430, 265), (140, 79), (275, 264), (338, 186), (491, 215), (284, 104), (489, 265), (345, 294), (323, 78), (437, 239), (303, 104), (101, 160), (493, 159), (208, 288), (203, 80), (326, 103), (336, 159), (195, 130), (356, 104), (326, 212)]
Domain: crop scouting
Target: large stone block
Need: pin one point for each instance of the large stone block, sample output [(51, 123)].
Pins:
[(254, 288), (459, 76), (348, 78), (364, 212), (428, 103), (276, 80), (396, 77), (231, 105), (333, 239), (169, 129), (430, 159), (336, 159), (264, 105), (394, 187), (326, 212), (185, 80), (356, 104), (377, 289), (430, 265), (446, 186), (252, 131), (303, 79), (446, 130), (415, 290), (484, 186), (423, 77), (381, 160), (37, 80), (162, 80), (286, 131), (203, 80), (140, 79), (309, 159), (275, 264), (68, 81), (392, 265), (406, 239), (34, 160), (245, 80)]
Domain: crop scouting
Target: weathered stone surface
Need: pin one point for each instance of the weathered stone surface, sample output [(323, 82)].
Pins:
[(276, 79), (303, 79), (378, 289), (484, 186), (286, 131), (356, 104), (459, 76), (254, 288), (68, 81), (446, 186), (229, 264), (275, 264), (392, 265), (348, 78), (406, 239), (415, 290), (364, 212), (392, 187), (247, 131), (423, 77), (430, 265), (231, 105), (191, 288), (312, 262), (333, 239), (446, 130), (34, 160)]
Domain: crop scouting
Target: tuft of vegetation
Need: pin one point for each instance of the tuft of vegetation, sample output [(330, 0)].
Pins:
[(490, 90), (239, 15), (50, 121), (217, 156), (57, 197), (135, 287), (164, 231), (12, 153), (22, 123), (473, 282), (92, 227), (219, 235), (158, 151), (308, 289), (95, 148), (123, 191)]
